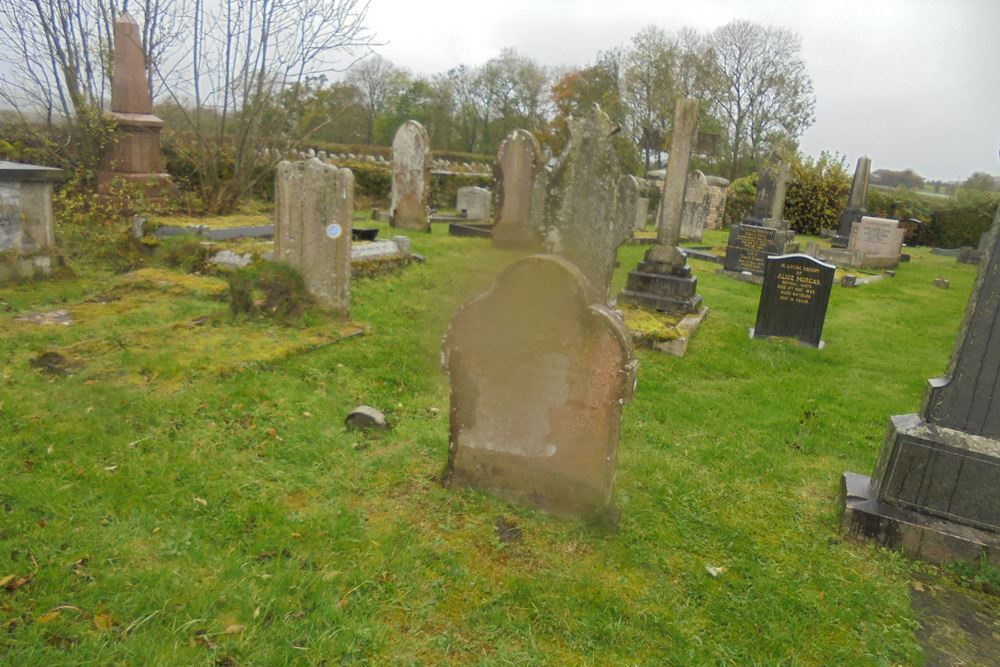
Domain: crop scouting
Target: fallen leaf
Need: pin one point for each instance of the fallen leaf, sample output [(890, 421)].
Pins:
[(307, 414), (12, 582), (47, 617), (917, 586), (103, 621), (714, 571), (234, 629), (201, 501), (111, 468), (342, 603)]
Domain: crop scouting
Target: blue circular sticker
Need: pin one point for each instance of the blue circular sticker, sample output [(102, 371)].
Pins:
[(333, 231)]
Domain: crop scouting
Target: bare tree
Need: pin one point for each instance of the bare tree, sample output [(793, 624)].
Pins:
[(377, 80), (759, 85), (241, 54)]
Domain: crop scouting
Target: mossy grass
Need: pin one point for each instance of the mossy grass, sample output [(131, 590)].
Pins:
[(167, 505)]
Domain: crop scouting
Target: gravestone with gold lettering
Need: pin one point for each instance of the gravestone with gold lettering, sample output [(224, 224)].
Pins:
[(794, 298), (765, 232)]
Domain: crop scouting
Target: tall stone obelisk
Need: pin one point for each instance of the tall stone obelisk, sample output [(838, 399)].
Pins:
[(935, 491), (855, 203), (134, 153), (663, 280)]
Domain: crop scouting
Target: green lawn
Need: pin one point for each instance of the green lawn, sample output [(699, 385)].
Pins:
[(189, 496)]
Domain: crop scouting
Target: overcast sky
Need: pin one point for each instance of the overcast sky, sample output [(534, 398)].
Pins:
[(910, 83)]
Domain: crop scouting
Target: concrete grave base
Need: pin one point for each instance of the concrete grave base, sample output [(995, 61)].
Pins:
[(744, 276), (676, 347), (821, 345), (479, 230), (27, 268), (851, 258), (920, 535), (648, 287)]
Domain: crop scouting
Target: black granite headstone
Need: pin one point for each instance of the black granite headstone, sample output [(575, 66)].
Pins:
[(749, 245), (936, 485), (794, 298)]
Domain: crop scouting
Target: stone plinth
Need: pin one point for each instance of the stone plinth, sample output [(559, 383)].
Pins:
[(875, 243), (27, 236), (538, 376), (935, 491), (313, 206)]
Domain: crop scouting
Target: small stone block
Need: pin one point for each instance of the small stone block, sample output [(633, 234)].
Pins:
[(366, 418)]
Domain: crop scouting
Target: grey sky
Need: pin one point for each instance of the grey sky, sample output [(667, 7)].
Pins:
[(911, 83)]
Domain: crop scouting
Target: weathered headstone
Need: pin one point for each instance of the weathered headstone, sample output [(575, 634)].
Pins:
[(27, 235), (518, 162), (765, 232), (875, 243), (313, 204), (475, 201), (411, 177), (718, 192), (538, 375), (935, 491), (641, 213), (134, 154), (663, 280), (794, 298), (855, 203), (696, 203), (584, 221)]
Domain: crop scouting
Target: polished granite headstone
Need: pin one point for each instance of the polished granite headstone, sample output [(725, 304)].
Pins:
[(935, 491), (794, 299), (765, 232)]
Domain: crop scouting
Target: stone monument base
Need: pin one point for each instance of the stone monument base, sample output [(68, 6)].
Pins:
[(919, 535), (38, 265), (925, 496), (153, 186), (655, 287), (852, 258), (743, 276)]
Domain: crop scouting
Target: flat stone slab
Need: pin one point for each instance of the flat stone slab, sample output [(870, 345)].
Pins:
[(224, 234), (21, 172), (676, 347), (47, 318), (946, 252), (743, 276), (472, 229), (704, 255), (917, 534)]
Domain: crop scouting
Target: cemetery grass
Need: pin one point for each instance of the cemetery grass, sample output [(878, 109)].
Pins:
[(186, 492)]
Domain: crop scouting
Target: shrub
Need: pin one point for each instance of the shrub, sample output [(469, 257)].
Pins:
[(184, 252), (271, 289), (739, 201), (817, 193)]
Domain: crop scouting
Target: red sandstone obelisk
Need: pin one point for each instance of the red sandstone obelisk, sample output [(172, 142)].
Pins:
[(134, 153)]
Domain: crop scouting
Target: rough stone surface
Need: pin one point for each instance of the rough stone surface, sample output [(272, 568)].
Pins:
[(313, 204), (696, 205), (641, 213), (584, 220), (26, 224), (855, 203), (538, 375), (943, 466), (518, 162), (718, 192), (135, 154), (475, 201), (942, 283), (663, 280), (769, 204), (366, 418), (411, 177)]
